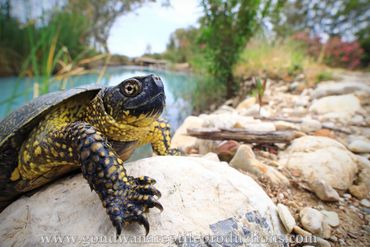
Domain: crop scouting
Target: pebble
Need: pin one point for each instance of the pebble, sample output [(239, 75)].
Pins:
[(347, 196), (312, 220), (301, 232), (322, 242), (331, 218), (359, 146), (365, 203), (286, 217)]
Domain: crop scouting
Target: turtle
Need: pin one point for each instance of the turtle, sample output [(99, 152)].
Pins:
[(94, 129)]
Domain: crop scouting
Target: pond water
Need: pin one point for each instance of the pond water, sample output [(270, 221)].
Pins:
[(178, 88)]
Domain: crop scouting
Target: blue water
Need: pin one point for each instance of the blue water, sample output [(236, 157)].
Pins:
[(178, 88)]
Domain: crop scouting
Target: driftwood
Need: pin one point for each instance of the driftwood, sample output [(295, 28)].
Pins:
[(297, 121), (244, 135)]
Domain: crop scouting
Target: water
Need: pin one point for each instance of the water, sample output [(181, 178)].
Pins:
[(178, 88)]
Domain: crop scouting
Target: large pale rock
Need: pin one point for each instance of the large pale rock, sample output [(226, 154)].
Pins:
[(181, 140), (336, 88), (342, 106), (321, 158), (199, 196)]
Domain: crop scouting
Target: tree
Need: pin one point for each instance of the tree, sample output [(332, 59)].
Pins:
[(226, 27)]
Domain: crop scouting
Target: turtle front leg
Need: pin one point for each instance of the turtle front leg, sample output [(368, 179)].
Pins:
[(160, 139), (125, 198)]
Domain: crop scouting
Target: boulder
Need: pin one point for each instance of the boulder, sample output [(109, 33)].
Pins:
[(201, 198), (317, 157), (181, 140), (342, 106)]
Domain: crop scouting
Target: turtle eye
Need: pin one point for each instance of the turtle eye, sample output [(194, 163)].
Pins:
[(131, 88)]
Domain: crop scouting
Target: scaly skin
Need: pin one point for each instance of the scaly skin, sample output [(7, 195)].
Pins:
[(85, 135)]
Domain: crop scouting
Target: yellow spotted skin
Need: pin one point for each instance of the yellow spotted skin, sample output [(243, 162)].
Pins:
[(98, 137)]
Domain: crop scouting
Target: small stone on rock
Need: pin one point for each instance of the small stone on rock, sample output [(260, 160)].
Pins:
[(312, 220), (286, 217)]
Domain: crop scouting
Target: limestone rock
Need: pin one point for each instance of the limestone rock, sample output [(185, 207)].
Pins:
[(282, 125), (324, 191), (331, 218), (181, 140), (245, 160), (317, 157), (347, 105), (198, 195), (359, 146), (336, 88), (310, 125), (245, 104), (312, 220), (286, 217)]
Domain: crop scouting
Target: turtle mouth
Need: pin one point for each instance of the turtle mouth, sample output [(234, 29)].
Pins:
[(150, 108)]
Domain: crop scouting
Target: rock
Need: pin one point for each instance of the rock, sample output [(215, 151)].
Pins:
[(324, 191), (331, 218), (181, 140), (211, 156), (227, 149), (360, 191), (317, 157), (322, 242), (365, 203), (282, 125), (310, 125), (286, 217), (359, 146), (263, 126), (217, 200), (245, 160), (301, 232), (245, 104), (336, 88), (347, 105), (326, 230), (311, 220)]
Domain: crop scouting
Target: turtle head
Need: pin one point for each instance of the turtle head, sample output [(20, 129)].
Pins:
[(136, 100)]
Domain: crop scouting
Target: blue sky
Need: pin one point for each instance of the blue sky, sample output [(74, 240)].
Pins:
[(151, 25)]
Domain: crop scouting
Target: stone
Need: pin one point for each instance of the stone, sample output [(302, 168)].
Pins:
[(181, 140), (199, 196), (347, 105), (263, 126), (227, 149), (311, 220), (365, 203), (359, 146), (301, 232), (211, 156), (286, 217), (324, 191), (322, 242), (310, 125), (245, 160), (360, 191), (282, 125), (337, 88), (245, 104), (331, 218), (323, 158), (326, 230)]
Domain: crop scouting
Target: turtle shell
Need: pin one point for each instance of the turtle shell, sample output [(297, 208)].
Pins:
[(15, 128)]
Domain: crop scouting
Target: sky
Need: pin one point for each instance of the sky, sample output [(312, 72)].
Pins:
[(151, 25)]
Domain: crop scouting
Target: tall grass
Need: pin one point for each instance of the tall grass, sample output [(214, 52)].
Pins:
[(280, 60)]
